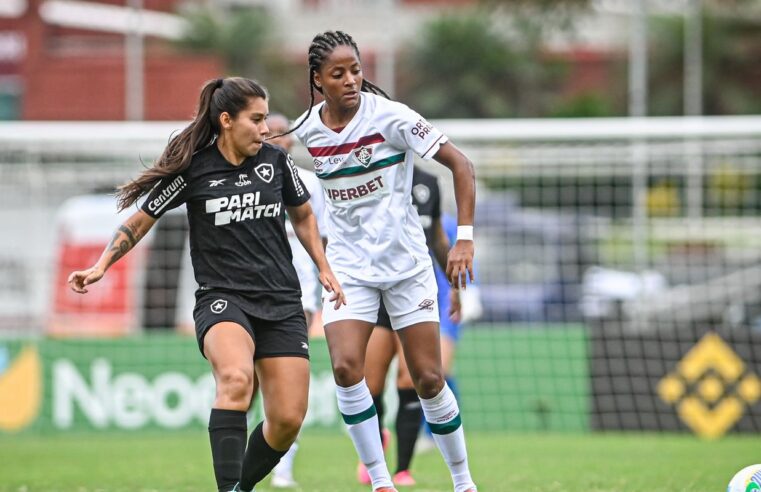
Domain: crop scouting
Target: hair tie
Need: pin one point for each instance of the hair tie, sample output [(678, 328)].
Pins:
[(219, 84)]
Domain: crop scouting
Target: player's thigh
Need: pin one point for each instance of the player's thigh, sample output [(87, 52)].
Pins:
[(348, 329), (284, 384), (362, 302), (423, 355), (412, 300)]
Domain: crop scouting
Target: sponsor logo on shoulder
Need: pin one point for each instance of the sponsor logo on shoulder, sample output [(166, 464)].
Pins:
[(265, 171), (218, 306), (421, 129), (167, 194), (243, 180)]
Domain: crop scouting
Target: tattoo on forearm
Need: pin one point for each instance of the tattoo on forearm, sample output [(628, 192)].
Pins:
[(119, 246)]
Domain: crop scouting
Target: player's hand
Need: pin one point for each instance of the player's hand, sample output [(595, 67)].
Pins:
[(328, 280), (80, 279), (460, 264), (455, 308)]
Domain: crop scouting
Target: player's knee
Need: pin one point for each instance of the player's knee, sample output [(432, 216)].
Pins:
[(347, 371), (235, 385), (286, 425), (429, 384)]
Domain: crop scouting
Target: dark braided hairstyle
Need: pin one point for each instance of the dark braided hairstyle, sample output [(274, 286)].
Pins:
[(322, 46)]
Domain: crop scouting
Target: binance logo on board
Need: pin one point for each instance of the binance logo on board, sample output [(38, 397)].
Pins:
[(710, 387), (20, 390)]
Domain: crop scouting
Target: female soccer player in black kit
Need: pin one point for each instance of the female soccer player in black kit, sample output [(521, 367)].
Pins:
[(248, 311)]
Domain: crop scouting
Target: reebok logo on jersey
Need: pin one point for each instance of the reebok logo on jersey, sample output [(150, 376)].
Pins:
[(218, 306), (243, 180), (426, 305), (345, 194), (237, 208), (167, 194), (216, 182), (265, 172)]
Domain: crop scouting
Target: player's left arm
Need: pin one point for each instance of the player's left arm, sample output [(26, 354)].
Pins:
[(460, 258), (305, 226)]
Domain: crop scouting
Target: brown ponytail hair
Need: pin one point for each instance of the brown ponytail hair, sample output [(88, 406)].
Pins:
[(230, 95)]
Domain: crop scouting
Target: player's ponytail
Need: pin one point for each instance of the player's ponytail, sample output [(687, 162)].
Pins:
[(230, 95), (322, 46)]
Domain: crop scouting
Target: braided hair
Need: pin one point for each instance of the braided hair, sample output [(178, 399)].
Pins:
[(322, 46)]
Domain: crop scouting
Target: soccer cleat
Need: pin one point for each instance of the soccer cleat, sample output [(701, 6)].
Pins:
[(238, 489), (282, 481), (362, 476), (404, 479), (385, 489)]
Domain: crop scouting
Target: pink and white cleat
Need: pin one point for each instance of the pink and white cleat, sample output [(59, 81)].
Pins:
[(404, 479)]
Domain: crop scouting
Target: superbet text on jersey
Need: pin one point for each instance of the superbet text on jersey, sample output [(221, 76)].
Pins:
[(373, 230)]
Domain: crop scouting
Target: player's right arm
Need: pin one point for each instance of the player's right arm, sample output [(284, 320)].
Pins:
[(124, 239)]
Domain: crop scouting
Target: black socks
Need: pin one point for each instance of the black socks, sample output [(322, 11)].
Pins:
[(259, 459), (227, 434), (408, 420)]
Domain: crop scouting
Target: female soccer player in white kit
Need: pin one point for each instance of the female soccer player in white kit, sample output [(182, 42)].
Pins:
[(363, 147)]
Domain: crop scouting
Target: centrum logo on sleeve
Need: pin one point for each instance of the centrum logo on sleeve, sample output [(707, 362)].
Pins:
[(167, 194)]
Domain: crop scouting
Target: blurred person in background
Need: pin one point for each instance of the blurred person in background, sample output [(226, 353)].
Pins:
[(384, 344), (248, 311), (282, 474), (363, 145)]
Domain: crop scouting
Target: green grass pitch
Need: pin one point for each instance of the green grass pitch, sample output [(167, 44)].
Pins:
[(142, 462)]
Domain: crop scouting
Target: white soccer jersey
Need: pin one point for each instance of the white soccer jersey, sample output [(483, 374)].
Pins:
[(305, 268), (373, 230)]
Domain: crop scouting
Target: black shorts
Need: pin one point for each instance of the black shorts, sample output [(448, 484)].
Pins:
[(286, 337), (383, 320)]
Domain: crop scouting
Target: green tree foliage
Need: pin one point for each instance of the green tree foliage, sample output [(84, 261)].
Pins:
[(731, 75), (237, 37), (488, 62), (244, 40)]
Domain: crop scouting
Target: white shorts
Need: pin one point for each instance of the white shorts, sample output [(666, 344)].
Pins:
[(409, 301)]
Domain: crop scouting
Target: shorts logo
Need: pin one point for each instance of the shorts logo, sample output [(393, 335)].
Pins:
[(427, 305), (218, 306), (304, 345), (265, 172), (243, 180), (363, 155)]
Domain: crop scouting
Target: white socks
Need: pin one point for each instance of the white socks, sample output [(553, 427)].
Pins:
[(357, 409), (443, 416)]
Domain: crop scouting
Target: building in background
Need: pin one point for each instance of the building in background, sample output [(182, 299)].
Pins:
[(65, 60)]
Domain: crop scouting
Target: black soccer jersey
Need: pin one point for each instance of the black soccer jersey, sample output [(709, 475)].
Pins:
[(427, 200), (236, 216)]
